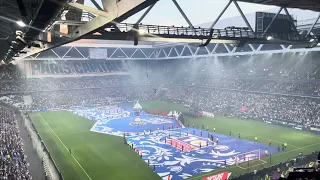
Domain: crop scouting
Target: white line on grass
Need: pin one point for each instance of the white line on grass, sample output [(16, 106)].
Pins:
[(277, 141), (231, 167), (64, 146)]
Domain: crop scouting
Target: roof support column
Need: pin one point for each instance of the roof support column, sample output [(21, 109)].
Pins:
[(313, 25), (94, 2), (273, 19), (292, 23), (220, 15), (145, 14), (242, 15), (183, 14)]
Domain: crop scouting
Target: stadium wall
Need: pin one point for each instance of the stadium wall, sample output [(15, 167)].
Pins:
[(45, 149)]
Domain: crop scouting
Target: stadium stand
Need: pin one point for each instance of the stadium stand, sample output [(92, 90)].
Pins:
[(264, 95), (266, 91), (13, 163), (283, 169)]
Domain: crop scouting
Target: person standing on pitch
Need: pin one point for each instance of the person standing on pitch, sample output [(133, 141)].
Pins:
[(214, 129), (217, 140), (270, 141), (239, 136), (256, 139), (229, 133)]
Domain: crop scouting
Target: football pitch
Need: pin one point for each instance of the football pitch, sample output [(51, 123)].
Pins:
[(100, 156)]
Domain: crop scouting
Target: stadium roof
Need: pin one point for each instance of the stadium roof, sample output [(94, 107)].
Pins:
[(313, 5), (301, 15), (237, 21)]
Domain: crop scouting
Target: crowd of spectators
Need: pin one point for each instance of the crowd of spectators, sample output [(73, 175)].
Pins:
[(246, 90), (13, 165), (249, 105), (55, 99), (284, 169), (230, 93), (298, 88)]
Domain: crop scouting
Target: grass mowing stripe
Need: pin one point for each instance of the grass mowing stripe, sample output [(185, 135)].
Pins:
[(64, 145), (302, 133)]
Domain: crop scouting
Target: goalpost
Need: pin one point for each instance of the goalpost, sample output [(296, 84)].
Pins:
[(248, 159)]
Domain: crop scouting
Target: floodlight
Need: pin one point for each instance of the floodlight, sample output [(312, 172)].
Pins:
[(141, 31), (269, 38), (21, 24)]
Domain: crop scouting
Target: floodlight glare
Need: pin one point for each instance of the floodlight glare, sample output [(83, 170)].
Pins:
[(141, 31), (269, 38), (21, 24)]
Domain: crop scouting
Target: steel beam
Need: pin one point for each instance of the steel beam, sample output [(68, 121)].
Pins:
[(274, 18), (96, 4), (182, 13), (286, 50), (114, 10), (145, 13), (220, 15), (313, 25), (288, 14), (70, 22), (242, 15), (90, 9)]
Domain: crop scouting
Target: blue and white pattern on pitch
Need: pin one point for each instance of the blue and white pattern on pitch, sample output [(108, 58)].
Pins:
[(100, 113), (118, 121), (181, 165), (167, 159)]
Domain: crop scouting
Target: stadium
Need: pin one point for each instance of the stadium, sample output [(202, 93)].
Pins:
[(151, 102)]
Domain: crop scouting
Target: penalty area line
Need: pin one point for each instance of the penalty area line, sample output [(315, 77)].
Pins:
[(65, 146)]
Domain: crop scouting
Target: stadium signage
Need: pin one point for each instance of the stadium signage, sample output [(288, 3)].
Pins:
[(298, 128), (206, 114), (315, 129), (221, 176)]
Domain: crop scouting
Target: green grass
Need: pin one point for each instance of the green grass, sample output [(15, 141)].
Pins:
[(101, 156), (298, 141), (106, 157)]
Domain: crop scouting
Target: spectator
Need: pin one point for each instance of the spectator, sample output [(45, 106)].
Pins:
[(13, 163)]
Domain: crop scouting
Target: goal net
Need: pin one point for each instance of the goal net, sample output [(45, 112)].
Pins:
[(248, 159)]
